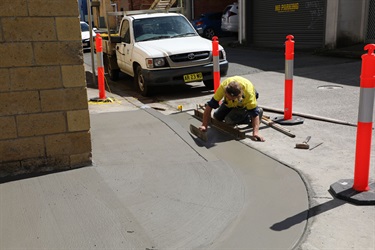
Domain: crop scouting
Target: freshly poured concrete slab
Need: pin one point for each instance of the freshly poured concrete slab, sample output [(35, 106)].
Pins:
[(183, 197), (275, 211), (68, 210), (152, 186)]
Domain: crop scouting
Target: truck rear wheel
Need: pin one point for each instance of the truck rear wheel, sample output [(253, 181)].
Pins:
[(112, 73), (139, 82)]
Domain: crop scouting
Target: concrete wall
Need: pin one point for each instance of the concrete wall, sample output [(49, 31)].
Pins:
[(44, 118), (346, 22), (351, 22), (331, 23)]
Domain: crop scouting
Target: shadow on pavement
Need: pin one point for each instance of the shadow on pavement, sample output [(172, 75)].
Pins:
[(307, 214), (124, 87), (325, 66)]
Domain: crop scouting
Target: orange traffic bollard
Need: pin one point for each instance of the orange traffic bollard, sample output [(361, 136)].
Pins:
[(289, 66), (99, 54), (287, 119), (364, 129), (360, 190), (215, 58)]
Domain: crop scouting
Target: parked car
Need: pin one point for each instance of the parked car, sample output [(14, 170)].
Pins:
[(85, 35), (229, 19), (208, 24)]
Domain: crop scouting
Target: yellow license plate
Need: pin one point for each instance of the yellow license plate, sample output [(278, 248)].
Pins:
[(193, 77)]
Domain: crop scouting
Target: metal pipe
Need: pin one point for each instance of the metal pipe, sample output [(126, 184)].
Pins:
[(314, 117)]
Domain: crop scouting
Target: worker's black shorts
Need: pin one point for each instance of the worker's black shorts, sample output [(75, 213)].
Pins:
[(234, 116)]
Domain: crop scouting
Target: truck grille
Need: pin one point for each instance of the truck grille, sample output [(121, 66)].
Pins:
[(193, 56)]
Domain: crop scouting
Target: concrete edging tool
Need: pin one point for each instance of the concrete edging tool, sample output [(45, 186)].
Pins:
[(304, 144)]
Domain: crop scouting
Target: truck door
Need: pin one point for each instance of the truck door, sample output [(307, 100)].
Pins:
[(124, 49)]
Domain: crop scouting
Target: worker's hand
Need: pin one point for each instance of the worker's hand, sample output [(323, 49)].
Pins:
[(257, 138), (203, 128)]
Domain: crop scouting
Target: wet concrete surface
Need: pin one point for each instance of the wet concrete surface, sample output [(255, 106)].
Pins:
[(254, 195), (276, 201), (153, 186)]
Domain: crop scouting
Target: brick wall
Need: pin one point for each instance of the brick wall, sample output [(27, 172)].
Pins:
[(44, 118), (201, 7)]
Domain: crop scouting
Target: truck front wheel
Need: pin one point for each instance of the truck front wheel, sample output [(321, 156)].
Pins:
[(209, 84), (140, 83)]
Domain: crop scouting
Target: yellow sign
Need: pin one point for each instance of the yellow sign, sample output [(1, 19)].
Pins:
[(288, 7)]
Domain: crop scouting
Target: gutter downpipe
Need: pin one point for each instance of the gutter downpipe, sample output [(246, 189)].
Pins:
[(192, 9), (241, 20)]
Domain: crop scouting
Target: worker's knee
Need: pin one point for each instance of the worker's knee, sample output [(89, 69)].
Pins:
[(218, 116), (228, 120)]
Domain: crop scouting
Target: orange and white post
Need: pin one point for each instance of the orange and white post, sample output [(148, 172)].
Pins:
[(289, 66), (365, 113), (361, 190), (288, 119), (99, 58), (215, 59)]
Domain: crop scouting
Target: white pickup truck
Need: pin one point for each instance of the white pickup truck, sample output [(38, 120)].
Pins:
[(160, 49)]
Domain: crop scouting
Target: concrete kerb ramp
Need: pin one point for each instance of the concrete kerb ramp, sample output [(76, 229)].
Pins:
[(188, 195), (152, 186), (272, 191)]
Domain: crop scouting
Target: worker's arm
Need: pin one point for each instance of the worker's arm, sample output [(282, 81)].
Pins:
[(255, 123), (206, 118), (212, 104)]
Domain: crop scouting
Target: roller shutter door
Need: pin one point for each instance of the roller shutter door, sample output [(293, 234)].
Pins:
[(371, 23), (273, 20)]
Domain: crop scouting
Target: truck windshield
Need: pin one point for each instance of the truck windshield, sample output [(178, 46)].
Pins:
[(162, 27)]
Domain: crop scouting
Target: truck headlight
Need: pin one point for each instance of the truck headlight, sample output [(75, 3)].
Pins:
[(222, 55), (159, 62), (155, 62)]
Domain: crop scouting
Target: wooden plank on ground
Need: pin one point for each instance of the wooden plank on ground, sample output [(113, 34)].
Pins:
[(222, 126)]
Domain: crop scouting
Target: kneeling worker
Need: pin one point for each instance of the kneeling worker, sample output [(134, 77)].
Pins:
[(239, 105)]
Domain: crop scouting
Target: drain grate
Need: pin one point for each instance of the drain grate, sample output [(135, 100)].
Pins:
[(330, 87)]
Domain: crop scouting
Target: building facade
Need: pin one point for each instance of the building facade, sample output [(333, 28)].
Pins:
[(44, 117), (314, 23)]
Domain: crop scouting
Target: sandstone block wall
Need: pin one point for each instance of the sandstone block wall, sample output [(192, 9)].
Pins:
[(44, 118)]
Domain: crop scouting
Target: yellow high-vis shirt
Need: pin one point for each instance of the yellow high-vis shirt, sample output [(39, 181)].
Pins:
[(248, 101)]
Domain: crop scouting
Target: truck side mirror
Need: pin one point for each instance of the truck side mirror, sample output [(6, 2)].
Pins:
[(116, 39)]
